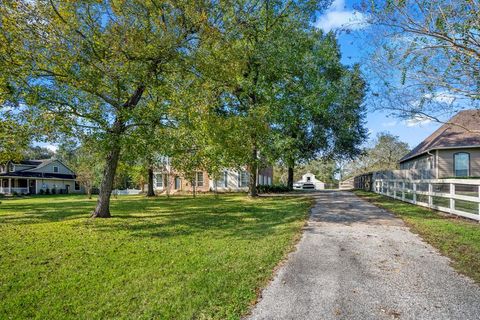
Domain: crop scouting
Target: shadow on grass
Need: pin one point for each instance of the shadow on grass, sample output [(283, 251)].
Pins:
[(227, 216)]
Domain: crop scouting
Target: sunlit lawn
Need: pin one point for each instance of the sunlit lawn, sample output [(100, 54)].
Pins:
[(456, 238), (178, 258)]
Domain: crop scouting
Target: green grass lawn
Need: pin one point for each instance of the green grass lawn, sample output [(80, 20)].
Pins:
[(177, 258), (454, 237)]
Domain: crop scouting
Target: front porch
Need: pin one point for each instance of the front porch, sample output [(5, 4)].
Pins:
[(17, 186)]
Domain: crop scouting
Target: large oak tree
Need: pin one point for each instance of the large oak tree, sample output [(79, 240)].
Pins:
[(96, 67)]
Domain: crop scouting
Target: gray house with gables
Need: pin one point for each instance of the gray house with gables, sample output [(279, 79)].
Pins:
[(32, 176), (451, 151)]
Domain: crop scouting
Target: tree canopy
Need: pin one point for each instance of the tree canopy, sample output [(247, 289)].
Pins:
[(426, 62)]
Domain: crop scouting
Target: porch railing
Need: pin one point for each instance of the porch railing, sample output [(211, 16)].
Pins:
[(7, 190)]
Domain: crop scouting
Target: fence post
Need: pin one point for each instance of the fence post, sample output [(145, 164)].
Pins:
[(430, 197), (452, 193), (394, 189), (479, 204), (414, 186), (403, 190)]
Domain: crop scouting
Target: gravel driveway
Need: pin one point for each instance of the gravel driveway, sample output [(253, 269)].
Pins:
[(356, 261)]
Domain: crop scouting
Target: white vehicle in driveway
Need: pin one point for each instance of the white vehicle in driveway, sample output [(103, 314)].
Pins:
[(309, 182)]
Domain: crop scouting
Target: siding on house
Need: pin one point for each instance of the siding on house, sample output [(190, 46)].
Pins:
[(233, 182), (422, 162), (56, 184), (185, 185), (230, 176), (62, 169), (445, 162), (19, 167)]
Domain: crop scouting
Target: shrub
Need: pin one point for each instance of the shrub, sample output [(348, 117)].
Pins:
[(15, 193), (47, 191), (54, 191), (42, 191), (274, 188)]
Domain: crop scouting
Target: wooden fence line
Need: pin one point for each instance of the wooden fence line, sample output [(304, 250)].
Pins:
[(455, 196)]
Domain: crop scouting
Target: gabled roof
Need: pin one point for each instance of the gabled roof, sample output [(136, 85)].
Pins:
[(33, 164), (30, 162), (42, 164), (463, 130)]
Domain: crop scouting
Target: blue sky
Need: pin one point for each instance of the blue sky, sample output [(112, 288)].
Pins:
[(342, 13)]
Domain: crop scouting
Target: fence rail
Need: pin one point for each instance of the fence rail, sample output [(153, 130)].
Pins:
[(456, 196), (126, 192)]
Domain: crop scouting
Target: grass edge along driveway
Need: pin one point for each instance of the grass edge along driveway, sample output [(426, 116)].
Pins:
[(456, 238), (177, 258)]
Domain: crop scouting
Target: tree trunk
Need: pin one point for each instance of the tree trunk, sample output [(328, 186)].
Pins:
[(193, 188), (167, 184), (103, 204), (252, 188), (290, 177), (89, 192), (150, 192)]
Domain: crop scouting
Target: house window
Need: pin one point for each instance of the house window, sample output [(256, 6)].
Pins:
[(223, 181), (77, 186), (178, 183), (199, 179), (461, 164), (55, 169), (243, 179), (308, 179), (159, 180)]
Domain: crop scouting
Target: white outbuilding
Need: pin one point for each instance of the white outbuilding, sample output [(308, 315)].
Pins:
[(309, 182)]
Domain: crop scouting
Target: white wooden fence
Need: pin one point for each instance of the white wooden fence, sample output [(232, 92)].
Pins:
[(455, 196), (126, 192)]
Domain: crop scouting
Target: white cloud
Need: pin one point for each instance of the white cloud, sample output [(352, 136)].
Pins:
[(418, 121), (52, 147), (337, 16), (389, 124)]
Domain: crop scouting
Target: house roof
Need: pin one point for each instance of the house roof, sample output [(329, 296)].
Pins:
[(45, 175), (31, 162), (463, 130), (42, 163)]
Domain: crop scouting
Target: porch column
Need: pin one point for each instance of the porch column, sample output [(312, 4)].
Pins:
[(9, 185), (28, 186)]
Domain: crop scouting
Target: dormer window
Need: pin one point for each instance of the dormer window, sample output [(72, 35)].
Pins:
[(55, 169)]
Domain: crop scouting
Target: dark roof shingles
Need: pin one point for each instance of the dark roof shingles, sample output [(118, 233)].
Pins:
[(463, 130), (38, 175)]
